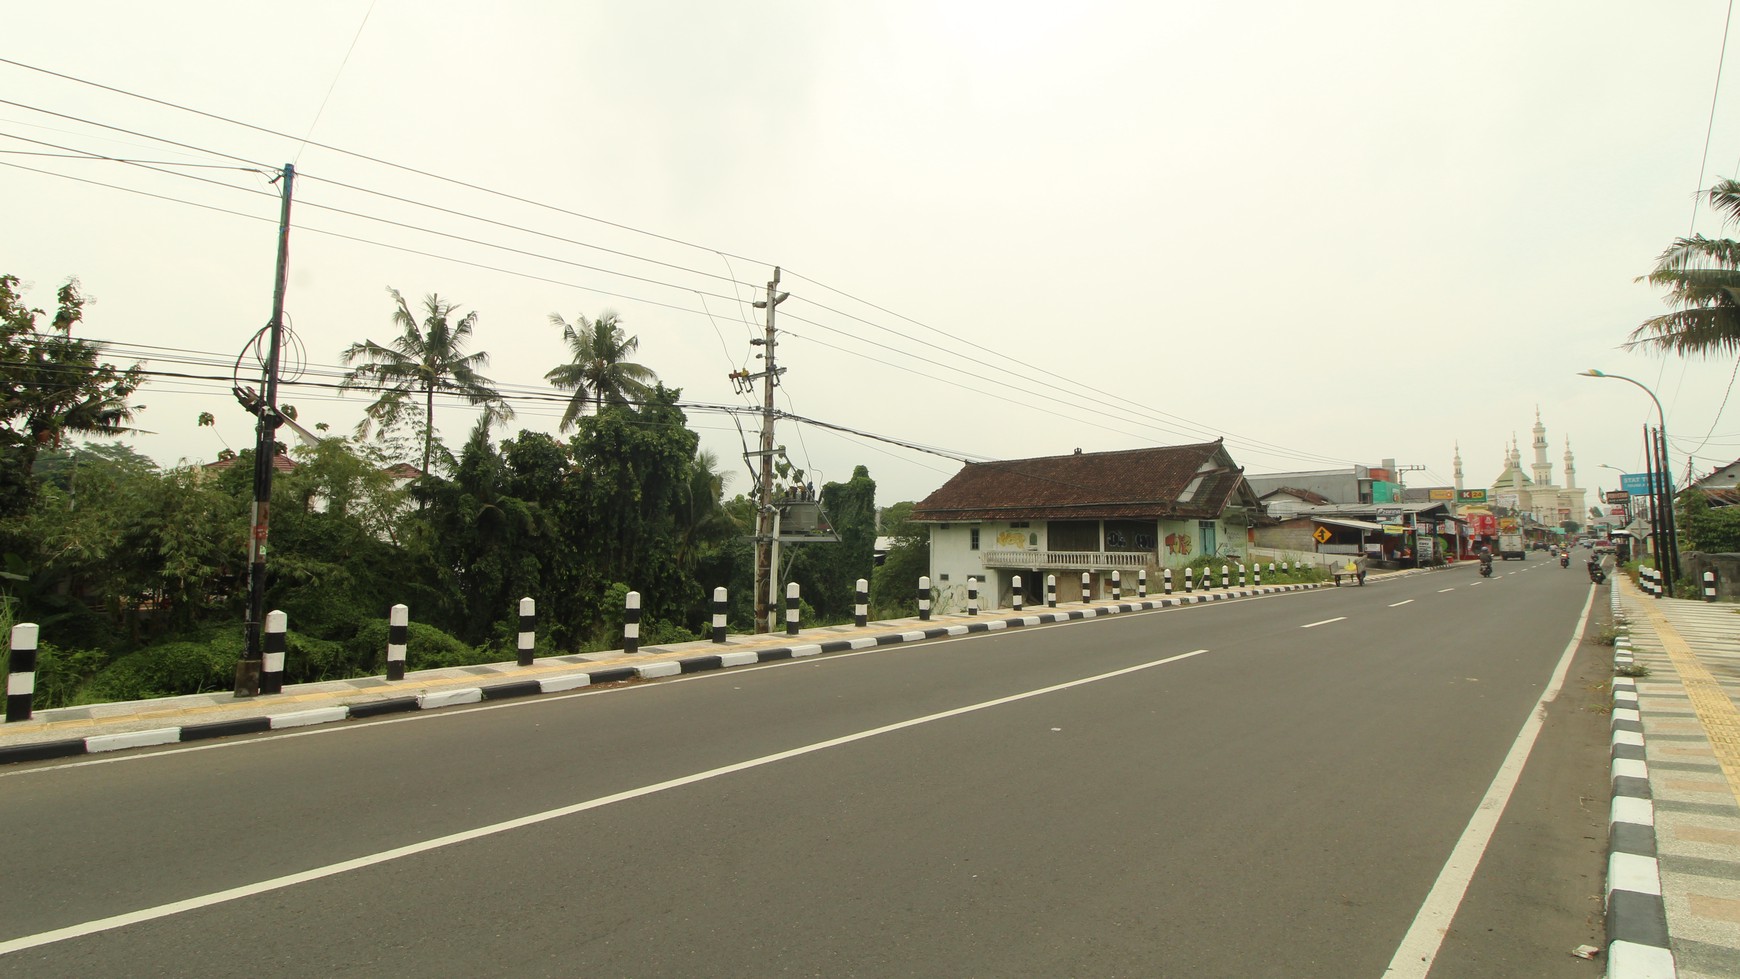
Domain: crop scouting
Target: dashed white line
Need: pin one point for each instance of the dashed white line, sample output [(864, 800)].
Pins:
[(1399, 604), (1443, 590), (1313, 625)]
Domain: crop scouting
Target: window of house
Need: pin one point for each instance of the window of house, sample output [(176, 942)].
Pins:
[(973, 539), (1205, 536), (1014, 524)]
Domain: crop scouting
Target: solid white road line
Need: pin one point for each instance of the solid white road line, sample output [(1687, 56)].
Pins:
[(1406, 601), (1313, 625), (1413, 958), (384, 856)]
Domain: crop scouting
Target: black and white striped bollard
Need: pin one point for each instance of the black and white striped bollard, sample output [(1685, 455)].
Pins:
[(924, 598), (1225, 576), (1283, 568), (1117, 586), (1188, 571), (861, 605), (719, 615), (528, 630), (1050, 592), (21, 672), (1017, 592), (791, 608), (1243, 580), (1142, 583), (398, 637), (272, 658), (631, 623), (1087, 588), (1166, 581), (1258, 575), (972, 595), (1709, 586)]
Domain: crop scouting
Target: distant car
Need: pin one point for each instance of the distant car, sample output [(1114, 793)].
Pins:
[(1588, 543)]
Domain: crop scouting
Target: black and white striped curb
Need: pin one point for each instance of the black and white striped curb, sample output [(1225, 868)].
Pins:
[(1637, 934), (97, 744)]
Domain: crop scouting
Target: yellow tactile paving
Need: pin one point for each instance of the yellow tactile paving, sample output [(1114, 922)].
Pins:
[(1715, 710)]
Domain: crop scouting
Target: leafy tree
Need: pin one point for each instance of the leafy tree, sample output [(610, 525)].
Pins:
[(51, 385), (424, 359), (895, 585), (1714, 530), (1701, 276), (597, 369)]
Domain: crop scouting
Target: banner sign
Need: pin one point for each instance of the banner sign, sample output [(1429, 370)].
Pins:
[(1618, 511), (1636, 484), (1471, 496), (1618, 496), (1424, 548), (1482, 525), (1440, 494), (1509, 525)]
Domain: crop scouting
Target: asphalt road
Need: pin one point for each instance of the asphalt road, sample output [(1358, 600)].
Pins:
[(1255, 788)]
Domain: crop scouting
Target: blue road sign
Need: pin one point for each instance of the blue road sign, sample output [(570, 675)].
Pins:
[(1637, 484)]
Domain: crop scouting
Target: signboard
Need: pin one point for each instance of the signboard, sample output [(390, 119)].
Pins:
[(1440, 494), (1426, 527), (1482, 525), (1635, 483), (1425, 548), (1390, 513), (1471, 496), (1618, 511), (1507, 500), (1385, 492), (1618, 496), (1395, 529), (1509, 525), (1322, 535)]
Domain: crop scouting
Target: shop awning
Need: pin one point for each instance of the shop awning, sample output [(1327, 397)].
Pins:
[(1345, 522)]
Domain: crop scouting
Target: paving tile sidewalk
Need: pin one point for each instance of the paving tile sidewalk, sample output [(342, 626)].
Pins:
[(1687, 703)]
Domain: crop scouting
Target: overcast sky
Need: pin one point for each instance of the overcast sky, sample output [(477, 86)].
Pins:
[(1332, 232)]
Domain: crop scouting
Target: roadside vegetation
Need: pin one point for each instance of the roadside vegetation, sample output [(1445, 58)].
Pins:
[(136, 573)]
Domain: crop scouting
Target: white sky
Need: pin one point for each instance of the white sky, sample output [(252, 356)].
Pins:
[(1334, 232)]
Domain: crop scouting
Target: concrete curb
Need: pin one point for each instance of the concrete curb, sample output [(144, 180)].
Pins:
[(1637, 932), (653, 669)]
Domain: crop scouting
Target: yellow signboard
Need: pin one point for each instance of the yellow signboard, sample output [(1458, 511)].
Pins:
[(1395, 529), (1322, 535), (1441, 494)]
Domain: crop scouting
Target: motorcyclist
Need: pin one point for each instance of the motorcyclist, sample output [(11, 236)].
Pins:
[(1485, 555), (1565, 559)]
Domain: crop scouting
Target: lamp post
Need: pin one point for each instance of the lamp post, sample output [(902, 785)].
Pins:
[(1667, 551)]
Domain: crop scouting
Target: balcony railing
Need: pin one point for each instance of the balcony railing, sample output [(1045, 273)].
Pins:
[(1084, 560)]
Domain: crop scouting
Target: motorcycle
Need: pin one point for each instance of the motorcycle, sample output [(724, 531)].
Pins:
[(1486, 569), (1597, 574), (1564, 560)]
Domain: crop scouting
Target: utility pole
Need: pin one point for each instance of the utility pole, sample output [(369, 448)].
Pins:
[(764, 515), (265, 454)]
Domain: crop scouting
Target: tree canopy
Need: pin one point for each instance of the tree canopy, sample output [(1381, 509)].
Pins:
[(52, 384), (1701, 276)]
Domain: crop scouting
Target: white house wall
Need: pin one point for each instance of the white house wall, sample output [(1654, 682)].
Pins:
[(953, 559)]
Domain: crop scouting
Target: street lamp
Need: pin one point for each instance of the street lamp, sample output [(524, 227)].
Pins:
[(1667, 552)]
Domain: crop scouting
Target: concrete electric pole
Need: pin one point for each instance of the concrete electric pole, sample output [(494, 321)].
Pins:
[(764, 514)]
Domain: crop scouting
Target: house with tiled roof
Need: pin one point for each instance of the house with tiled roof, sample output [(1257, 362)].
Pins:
[(1092, 512)]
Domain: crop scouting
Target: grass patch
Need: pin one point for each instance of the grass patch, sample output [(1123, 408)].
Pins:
[(1631, 670)]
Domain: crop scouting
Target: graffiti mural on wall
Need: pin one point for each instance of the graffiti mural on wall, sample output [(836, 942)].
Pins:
[(1179, 543), (1011, 538)]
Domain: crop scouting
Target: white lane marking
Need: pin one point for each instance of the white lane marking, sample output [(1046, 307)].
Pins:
[(1443, 590), (369, 860), (1313, 625), (1413, 958), (1399, 604)]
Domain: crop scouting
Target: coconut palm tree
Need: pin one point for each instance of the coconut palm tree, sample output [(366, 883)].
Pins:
[(597, 369), (425, 358), (1702, 278)]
